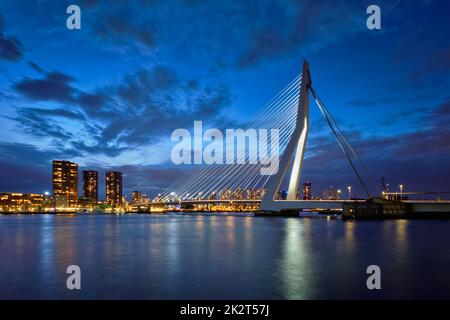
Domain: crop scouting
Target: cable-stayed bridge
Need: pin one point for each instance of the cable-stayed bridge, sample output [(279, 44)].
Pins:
[(286, 118)]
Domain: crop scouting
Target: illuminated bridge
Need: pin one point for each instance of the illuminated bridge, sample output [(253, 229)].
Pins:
[(243, 182)]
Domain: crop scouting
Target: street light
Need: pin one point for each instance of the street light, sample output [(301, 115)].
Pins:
[(401, 191), (339, 194), (349, 188)]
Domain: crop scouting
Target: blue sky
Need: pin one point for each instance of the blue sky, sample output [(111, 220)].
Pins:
[(108, 96)]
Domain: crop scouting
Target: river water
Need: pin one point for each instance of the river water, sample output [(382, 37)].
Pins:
[(221, 257)]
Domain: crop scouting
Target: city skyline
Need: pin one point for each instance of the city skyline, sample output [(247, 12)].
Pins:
[(69, 191), (66, 180), (110, 103)]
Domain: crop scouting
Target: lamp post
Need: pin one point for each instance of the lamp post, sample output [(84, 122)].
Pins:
[(349, 188), (401, 191)]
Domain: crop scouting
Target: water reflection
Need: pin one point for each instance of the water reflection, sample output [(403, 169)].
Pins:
[(401, 243), (195, 257), (230, 232), (349, 236), (47, 247), (297, 263), (248, 233)]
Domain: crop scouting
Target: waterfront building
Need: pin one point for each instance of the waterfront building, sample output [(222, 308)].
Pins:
[(238, 194), (21, 202), (65, 183), (212, 196), (225, 194), (332, 193), (144, 199), (136, 197), (307, 190), (114, 188), (124, 201), (90, 186), (85, 203)]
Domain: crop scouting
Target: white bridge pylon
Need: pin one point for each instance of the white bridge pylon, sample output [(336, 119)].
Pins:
[(295, 150)]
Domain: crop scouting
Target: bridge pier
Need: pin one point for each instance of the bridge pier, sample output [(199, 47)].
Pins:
[(296, 148)]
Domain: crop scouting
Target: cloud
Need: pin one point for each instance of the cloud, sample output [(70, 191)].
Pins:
[(17, 177), (54, 86), (57, 112), (36, 67), (125, 25), (10, 47), (142, 108), (25, 153), (59, 87), (98, 148), (139, 87), (154, 102), (306, 25), (33, 122)]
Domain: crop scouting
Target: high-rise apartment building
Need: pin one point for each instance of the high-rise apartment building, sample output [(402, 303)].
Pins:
[(90, 186), (65, 183), (307, 190), (114, 188), (136, 197)]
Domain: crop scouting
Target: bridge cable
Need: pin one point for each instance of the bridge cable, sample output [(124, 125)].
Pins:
[(330, 124), (343, 135), (196, 179)]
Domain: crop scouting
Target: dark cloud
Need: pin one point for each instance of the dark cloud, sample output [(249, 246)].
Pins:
[(36, 67), (140, 87), (226, 33), (17, 177), (54, 86), (33, 122), (417, 87), (89, 3), (63, 112), (140, 110), (98, 148), (26, 168), (95, 104), (125, 25), (26, 154), (436, 64), (154, 102), (10, 47), (374, 101), (59, 87), (306, 25)]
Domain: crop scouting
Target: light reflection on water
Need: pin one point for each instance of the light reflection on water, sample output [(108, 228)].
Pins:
[(213, 257), (297, 262)]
